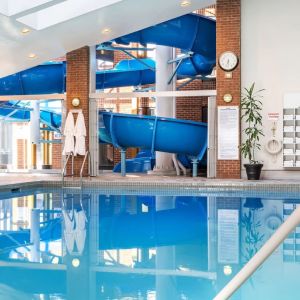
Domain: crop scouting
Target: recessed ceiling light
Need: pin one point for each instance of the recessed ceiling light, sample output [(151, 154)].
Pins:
[(32, 55), (185, 3), (106, 30), (25, 30)]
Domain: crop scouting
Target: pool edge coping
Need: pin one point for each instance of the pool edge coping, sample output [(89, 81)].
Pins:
[(166, 184)]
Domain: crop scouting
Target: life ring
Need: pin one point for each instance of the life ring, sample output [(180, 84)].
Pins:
[(273, 146)]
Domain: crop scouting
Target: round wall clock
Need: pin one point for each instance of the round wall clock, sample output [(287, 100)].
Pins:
[(228, 61)]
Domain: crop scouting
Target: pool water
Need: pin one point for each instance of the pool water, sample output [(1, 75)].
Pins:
[(107, 245)]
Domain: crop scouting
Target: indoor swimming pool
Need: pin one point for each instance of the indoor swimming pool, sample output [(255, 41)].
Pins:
[(137, 245)]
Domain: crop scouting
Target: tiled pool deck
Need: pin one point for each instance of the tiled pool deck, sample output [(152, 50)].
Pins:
[(110, 180)]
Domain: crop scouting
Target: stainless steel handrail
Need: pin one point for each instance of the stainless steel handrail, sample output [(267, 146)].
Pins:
[(87, 154), (257, 260), (65, 166)]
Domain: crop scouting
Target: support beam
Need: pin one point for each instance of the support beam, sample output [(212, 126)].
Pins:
[(123, 162), (165, 93), (165, 107), (93, 116), (195, 167), (35, 235), (33, 97)]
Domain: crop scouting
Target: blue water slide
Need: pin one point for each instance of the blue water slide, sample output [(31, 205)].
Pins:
[(128, 72), (48, 78), (156, 133), (143, 162), (190, 32), (17, 112)]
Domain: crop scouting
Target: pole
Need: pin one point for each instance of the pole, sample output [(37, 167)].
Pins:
[(123, 162), (195, 167), (35, 235)]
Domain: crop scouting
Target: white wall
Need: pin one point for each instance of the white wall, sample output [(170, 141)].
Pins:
[(270, 40)]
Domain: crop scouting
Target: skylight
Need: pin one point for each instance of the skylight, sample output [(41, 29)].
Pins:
[(62, 12), (13, 7)]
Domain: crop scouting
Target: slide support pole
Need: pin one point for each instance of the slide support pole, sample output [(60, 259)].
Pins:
[(195, 167), (123, 162)]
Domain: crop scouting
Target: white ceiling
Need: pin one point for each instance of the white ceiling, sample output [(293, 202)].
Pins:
[(54, 33)]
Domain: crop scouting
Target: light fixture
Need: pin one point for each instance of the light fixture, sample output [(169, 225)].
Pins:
[(75, 262), (106, 31), (227, 98), (76, 102), (227, 270), (185, 3), (25, 30), (32, 55)]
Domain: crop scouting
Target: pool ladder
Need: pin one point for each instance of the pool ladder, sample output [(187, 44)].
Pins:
[(63, 173)]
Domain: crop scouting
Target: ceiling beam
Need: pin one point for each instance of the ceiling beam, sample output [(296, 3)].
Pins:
[(36, 8), (34, 97), (195, 93)]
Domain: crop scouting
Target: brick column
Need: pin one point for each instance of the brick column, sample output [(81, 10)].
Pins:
[(228, 39), (21, 154), (56, 156), (143, 106), (78, 87)]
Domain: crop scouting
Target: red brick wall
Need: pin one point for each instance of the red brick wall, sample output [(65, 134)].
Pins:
[(56, 156), (78, 86), (21, 154), (190, 108), (228, 38)]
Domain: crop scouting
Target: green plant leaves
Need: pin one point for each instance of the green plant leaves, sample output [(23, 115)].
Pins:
[(251, 106)]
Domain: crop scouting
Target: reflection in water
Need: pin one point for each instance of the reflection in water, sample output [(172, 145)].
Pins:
[(95, 246)]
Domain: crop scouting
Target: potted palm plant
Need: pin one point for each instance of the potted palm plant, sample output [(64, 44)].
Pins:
[(251, 106)]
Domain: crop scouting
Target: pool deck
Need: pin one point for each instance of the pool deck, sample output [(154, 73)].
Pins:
[(110, 180)]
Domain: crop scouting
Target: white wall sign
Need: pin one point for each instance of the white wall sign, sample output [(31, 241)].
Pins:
[(228, 132), (228, 236)]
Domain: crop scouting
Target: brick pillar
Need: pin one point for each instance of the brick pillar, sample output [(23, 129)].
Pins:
[(56, 156), (143, 106), (21, 154), (229, 39), (78, 72)]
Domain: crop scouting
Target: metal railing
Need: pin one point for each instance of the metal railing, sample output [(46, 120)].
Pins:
[(257, 260), (87, 155), (65, 167)]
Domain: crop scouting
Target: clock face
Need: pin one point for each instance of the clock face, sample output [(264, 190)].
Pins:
[(228, 61)]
